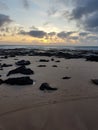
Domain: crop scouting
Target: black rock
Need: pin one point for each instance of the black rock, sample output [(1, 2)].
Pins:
[(46, 86), (12, 55), (15, 59), (21, 70), (54, 66), (57, 61), (1, 81), (4, 57), (43, 60), (92, 58), (66, 77), (95, 81), (41, 65), (52, 59), (6, 65), (1, 68), (22, 62), (18, 81)]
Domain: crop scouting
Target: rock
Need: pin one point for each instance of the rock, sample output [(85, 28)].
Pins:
[(43, 60), (4, 57), (92, 58), (18, 81), (21, 70), (41, 65), (54, 66), (46, 86), (12, 55), (15, 59), (52, 59), (66, 77), (95, 81), (1, 81), (22, 62), (57, 61), (1, 68), (6, 65)]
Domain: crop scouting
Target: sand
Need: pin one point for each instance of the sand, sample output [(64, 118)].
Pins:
[(74, 106)]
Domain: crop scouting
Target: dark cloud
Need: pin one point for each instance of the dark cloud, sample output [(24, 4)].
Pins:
[(25, 4), (84, 7), (34, 33), (52, 34), (83, 33), (37, 33), (64, 34), (92, 38), (92, 21), (85, 13), (4, 19)]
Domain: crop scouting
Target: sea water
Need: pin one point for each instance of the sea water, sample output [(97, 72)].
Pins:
[(49, 47)]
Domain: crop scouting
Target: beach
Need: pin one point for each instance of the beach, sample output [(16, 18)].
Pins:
[(73, 106)]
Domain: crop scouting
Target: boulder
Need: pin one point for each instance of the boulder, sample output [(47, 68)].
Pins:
[(18, 81), (46, 86), (22, 62), (21, 70), (92, 58)]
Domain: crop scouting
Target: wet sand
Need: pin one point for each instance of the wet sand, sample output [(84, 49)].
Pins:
[(72, 107)]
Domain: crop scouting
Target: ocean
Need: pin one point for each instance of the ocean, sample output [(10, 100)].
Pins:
[(49, 47)]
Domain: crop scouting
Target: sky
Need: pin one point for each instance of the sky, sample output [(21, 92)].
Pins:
[(49, 22)]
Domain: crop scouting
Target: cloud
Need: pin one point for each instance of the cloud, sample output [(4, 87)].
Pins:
[(92, 21), (92, 38), (83, 33), (85, 13), (64, 34), (52, 34), (4, 19), (34, 33), (25, 4), (84, 8)]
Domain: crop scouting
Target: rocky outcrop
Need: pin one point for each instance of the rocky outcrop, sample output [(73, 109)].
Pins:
[(22, 62), (21, 70), (17, 81), (46, 86)]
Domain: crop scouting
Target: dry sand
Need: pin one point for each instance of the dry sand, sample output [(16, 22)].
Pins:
[(74, 106)]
